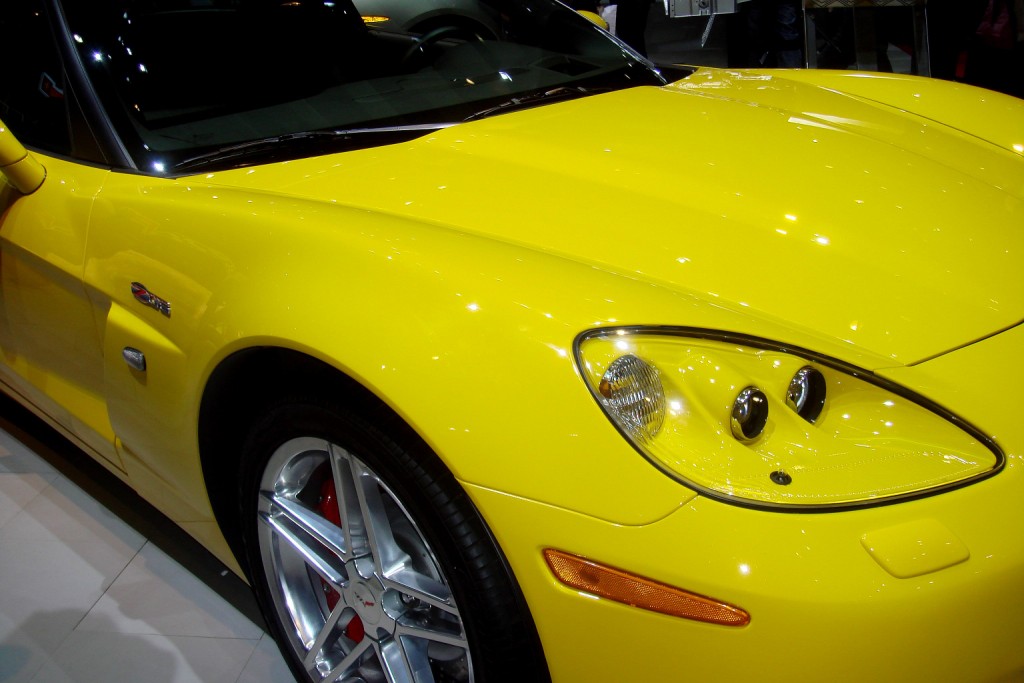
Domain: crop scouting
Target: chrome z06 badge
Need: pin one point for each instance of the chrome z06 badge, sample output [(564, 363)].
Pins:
[(147, 298)]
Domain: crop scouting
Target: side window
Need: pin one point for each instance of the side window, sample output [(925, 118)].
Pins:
[(32, 92)]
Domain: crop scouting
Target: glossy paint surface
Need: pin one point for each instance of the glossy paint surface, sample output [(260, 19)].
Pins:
[(451, 276), (905, 217)]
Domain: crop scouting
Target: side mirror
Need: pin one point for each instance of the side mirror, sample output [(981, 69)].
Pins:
[(22, 171), (594, 18)]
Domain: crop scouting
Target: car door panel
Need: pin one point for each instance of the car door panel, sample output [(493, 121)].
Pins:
[(50, 342)]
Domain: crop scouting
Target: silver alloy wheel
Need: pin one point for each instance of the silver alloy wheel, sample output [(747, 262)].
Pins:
[(361, 598)]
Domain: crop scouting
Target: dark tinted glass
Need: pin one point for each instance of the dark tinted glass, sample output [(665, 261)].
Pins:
[(188, 78), (32, 87)]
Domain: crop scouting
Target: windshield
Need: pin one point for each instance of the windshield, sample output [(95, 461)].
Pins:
[(185, 78)]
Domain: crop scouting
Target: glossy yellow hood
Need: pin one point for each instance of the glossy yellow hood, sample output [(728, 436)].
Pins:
[(771, 195)]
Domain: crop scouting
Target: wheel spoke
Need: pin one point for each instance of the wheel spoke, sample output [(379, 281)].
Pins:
[(346, 484), (364, 516), (422, 588), (386, 551), (426, 634), (351, 659), (329, 629), (402, 664), (298, 526)]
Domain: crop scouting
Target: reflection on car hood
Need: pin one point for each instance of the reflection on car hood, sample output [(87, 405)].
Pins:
[(784, 199)]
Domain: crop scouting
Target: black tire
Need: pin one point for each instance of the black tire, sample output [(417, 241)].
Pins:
[(426, 590)]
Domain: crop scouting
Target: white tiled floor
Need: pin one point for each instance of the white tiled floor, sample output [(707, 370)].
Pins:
[(88, 595)]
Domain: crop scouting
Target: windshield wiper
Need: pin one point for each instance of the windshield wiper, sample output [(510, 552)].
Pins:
[(284, 145), (535, 98)]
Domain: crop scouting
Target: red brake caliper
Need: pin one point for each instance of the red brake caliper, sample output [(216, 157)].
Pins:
[(329, 509)]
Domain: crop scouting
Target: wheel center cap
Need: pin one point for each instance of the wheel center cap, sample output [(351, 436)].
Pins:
[(366, 603)]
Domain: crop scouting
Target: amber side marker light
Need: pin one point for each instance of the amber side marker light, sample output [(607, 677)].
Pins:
[(617, 585)]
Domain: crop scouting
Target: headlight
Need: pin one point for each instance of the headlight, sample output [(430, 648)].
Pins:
[(806, 393), (751, 421), (631, 391)]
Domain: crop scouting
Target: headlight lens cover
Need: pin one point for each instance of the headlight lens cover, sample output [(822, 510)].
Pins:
[(754, 422), (631, 390)]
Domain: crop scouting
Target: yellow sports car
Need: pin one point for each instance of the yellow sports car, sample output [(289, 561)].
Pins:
[(517, 359)]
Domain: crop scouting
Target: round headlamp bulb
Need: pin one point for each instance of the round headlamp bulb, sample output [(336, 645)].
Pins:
[(632, 393), (806, 393), (749, 414)]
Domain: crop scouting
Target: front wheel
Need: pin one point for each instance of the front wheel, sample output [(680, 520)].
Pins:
[(369, 561)]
